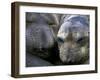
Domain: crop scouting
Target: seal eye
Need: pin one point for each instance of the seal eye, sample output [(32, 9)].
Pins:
[(82, 41), (60, 40)]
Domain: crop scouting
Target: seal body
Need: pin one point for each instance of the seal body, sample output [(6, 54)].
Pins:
[(40, 38)]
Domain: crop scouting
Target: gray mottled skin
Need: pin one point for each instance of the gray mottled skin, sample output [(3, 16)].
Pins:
[(40, 39), (38, 36), (72, 53), (74, 39), (44, 31)]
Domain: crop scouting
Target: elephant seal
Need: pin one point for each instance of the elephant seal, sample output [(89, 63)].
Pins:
[(40, 37), (73, 39)]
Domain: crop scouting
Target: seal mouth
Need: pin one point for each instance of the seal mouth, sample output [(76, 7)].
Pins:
[(74, 55)]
